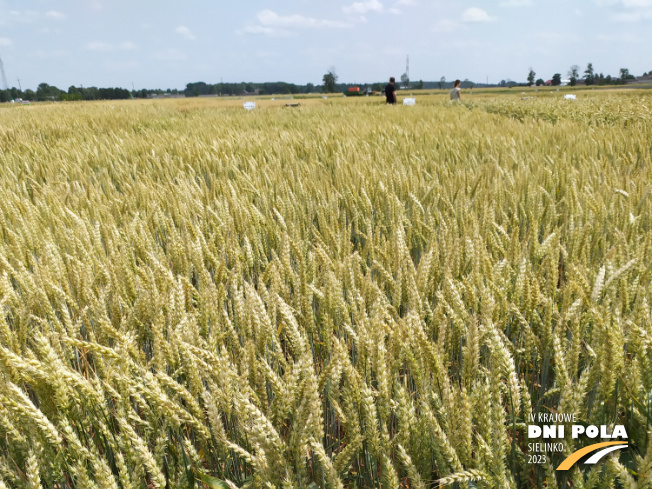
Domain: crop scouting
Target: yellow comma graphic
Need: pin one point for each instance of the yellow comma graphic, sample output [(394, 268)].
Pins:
[(575, 456)]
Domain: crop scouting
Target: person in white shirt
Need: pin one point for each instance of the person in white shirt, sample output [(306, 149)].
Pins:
[(455, 92)]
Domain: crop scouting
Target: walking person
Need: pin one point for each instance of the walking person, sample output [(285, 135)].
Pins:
[(390, 91), (455, 92)]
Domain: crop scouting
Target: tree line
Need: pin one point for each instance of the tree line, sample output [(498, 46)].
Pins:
[(46, 92), (589, 77)]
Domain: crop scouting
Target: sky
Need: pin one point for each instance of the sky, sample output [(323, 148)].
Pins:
[(167, 44)]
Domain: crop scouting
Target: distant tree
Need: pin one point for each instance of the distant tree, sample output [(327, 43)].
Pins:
[(112, 93), (329, 79), (196, 89), (625, 75), (599, 79), (89, 93), (28, 95), (556, 79), (405, 80), (73, 94), (503, 83), (530, 77), (573, 74), (442, 82), (420, 85), (310, 88), (42, 91), (47, 92), (540, 82), (589, 74)]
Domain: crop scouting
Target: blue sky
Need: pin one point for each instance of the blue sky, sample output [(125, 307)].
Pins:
[(166, 44)]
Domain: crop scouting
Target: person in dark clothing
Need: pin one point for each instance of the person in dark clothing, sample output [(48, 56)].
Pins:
[(390, 91)]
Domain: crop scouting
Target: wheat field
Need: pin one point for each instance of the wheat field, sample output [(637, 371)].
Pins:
[(342, 294)]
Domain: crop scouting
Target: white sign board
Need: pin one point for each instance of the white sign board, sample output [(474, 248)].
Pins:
[(570, 96), (409, 101), (249, 105)]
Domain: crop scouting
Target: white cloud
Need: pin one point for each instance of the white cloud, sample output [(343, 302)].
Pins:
[(267, 31), (107, 46), (396, 10), (170, 55), (185, 32), (40, 54), (633, 16), (24, 16), (121, 64), (53, 14), (628, 10), (5, 42), (99, 46), (619, 38), (447, 25), (362, 8), (269, 18), (637, 3), (475, 14), (272, 24), (515, 3)]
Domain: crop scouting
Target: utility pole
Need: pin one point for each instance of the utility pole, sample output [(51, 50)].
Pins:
[(19, 86), (4, 77), (407, 66), (407, 71)]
